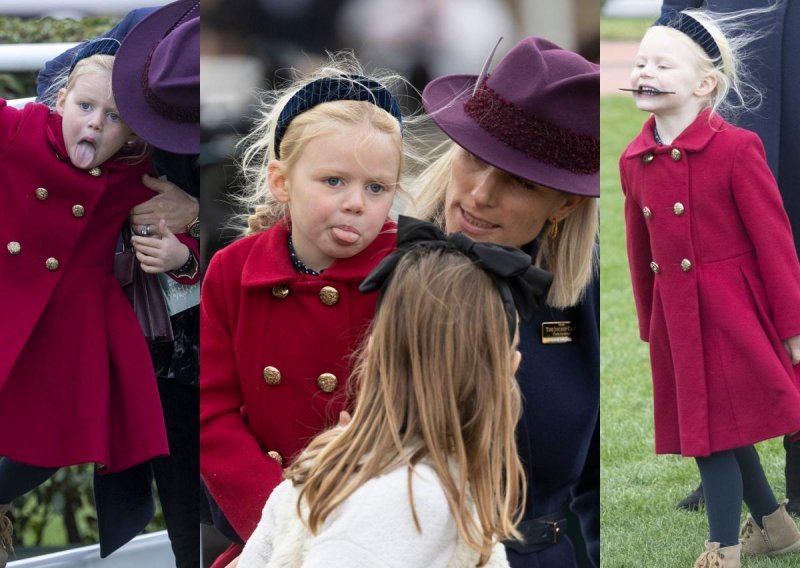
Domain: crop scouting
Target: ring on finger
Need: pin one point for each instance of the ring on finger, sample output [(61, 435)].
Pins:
[(146, 231)]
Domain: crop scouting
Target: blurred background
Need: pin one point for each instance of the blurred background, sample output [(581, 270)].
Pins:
[(244, 43)]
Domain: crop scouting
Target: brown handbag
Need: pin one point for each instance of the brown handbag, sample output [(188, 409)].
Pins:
[(143, 291)]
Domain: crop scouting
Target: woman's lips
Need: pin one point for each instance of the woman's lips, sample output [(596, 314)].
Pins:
[(472, 224), (344, 235)]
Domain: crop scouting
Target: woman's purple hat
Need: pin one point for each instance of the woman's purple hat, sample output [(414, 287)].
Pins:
[(156, 78), (537, 116)]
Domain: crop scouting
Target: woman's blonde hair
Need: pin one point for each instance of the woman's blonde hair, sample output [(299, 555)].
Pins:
[(733, 32), (435, 383), (263, 210), (571, 255)]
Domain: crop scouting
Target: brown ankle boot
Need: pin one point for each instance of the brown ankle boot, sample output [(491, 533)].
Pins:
[(779, 536), (6, 530), (716, 557)]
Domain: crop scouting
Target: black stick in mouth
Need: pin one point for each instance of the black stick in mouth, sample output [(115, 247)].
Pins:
[(650, 90)]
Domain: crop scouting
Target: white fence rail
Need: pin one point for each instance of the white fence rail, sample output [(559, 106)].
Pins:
[(149, 550), (29, 56), (73, 8)]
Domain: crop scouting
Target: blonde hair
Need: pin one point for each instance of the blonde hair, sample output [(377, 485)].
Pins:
[(436, 384), (733, 32), (570, 256), (263, 210)]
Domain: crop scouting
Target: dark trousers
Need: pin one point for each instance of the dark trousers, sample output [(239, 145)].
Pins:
[(792, 469), (178, 475), (730, 477)]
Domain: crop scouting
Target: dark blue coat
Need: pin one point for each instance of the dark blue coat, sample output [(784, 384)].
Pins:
[(559, 434), (774, 63)]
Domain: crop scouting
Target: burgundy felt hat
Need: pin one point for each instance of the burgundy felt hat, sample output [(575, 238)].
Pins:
[(156, 78), (536, 116)]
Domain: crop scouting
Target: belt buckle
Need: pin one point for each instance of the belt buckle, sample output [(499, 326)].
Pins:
[(555, 530)]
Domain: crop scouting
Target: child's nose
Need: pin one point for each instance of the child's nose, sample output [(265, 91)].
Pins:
[(353, 200)]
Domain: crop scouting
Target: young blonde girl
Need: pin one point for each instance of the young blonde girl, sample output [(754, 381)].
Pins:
[(76, 382), (281, 312), (427, 472), (715, 278)]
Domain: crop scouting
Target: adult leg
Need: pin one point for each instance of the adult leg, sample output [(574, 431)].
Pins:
[(792, 475), (177, 476)]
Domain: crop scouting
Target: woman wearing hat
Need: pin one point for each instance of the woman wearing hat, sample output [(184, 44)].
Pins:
[(521, 169)]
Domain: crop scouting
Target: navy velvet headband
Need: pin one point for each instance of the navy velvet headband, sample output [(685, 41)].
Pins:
[(98, 46), (685, 24), (328, 89)]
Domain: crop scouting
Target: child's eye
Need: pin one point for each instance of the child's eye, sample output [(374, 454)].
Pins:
[(85, 106), (113, 117), (376, 188), (334, 181)]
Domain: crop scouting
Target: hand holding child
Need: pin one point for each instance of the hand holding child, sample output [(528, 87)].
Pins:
[(792, 346), (162, 252)]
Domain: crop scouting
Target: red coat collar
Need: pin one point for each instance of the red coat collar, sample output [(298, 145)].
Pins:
[(55, 136), (696, 136), (268, 263)]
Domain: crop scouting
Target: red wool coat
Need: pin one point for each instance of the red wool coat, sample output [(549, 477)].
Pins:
[(76, 379), (269, 346), (716, 283)]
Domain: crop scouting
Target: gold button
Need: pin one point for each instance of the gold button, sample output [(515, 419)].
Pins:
[(95, 172), (51, 263), (14, 247), (675, 154), (272, 376), (41, 193), (686, 265), (647, 158), (329, 295), (78, 211), (327, 382), (654, 267), (280, 292), (647, 213), (678, 208), (276, 456)]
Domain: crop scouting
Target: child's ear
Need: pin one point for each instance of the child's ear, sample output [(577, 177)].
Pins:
[(276, 179), (60, 101), (706, 86)]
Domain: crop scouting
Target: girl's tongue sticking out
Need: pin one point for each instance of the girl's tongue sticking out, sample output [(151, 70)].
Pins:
[(85, 152)]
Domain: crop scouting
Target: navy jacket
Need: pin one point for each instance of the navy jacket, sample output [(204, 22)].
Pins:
[(559, 434)]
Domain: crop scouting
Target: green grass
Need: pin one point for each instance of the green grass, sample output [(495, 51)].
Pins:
[(640, 525), (623, 29)]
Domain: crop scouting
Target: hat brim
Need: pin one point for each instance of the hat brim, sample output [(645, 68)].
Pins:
[(444, 98), (153, 128)]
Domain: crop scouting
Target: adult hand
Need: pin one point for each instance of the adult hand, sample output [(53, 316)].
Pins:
[(161, 253), (792, 346), (172, 204)]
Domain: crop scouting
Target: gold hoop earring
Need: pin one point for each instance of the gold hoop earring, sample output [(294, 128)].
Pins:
[(552, 234)]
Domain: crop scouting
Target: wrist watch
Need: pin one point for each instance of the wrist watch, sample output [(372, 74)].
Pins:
[(193, 228)]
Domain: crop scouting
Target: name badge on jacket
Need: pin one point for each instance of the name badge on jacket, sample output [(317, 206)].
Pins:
[(558, 332)]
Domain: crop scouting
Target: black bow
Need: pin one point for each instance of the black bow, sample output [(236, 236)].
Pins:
[(522, 286)]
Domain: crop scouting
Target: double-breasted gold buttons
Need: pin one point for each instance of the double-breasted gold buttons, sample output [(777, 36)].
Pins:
[(327, 382), (648, 157), (14, 247), (647, 213), (51, 263), (686, 265), (280, 292), (272, 376), (675, 154), (678, 209), (41, 193), (329, 295), (78, 210), (95, 171), (276, 456), (655, 267)]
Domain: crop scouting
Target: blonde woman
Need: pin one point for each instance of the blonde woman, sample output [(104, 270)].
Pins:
[(427, 473), (522, 170)]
